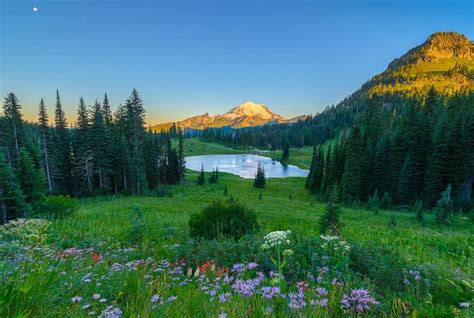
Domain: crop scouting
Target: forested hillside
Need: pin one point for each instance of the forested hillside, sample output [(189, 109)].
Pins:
[(104, 153)]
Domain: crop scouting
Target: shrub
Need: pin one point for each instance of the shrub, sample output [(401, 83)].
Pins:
[(329, 221), (386, 201), (223, 218), (59, 207)]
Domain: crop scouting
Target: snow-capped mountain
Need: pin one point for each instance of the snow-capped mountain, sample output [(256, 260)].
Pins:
[(247, 114)]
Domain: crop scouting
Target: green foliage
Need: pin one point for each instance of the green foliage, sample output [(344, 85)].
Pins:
[(32, 181), (136, 232), (329, 220), (223, 218), (12, 200), (201, 178), (418, 209), (444, 206), (392, 223), (214, 177), (374, 201), (386, 202), (260, 179), (226, 191), (59, 207)]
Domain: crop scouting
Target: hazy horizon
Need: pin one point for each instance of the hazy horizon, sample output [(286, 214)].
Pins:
[(187, 58)]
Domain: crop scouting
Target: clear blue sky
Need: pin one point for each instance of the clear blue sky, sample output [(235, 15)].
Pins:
[(190, 57)]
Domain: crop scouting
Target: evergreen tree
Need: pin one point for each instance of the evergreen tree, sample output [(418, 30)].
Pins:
[(12, 113), (226, 191), (181, 158), (329, 221), (12, 200), (443, 207), (311, 169), (45, 140), (405, 190), (418, 208), (107, 113), (100, 143), (435, 179), (83, 161), (286, 151), (317, 174), (32, 181), (260, 179), (63, 153), (201, 178), (386, 201), (138, 170), (352, 168)]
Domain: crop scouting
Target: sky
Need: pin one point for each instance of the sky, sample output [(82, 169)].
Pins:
[(187, 57)]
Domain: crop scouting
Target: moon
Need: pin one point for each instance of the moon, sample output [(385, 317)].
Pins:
[(35, 9)]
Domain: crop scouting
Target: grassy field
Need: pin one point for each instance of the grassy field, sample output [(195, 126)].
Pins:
[(108, 260)]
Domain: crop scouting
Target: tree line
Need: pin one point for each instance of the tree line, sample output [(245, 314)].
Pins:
[(403, 152), (104, 152)]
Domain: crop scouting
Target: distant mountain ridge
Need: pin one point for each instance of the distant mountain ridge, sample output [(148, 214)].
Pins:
[(248, 114)]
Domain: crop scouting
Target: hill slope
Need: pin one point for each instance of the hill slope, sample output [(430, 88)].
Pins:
[(445, 60)]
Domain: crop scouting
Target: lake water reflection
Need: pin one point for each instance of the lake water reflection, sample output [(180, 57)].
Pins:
[(244, 165)]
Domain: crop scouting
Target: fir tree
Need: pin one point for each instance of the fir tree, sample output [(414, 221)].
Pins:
[(386, 201), (418, 209), (63, 156), (83, 164), (443, 207), (43, 125), (286, 151), (405, 190), (12, 200), (138, 169), (226, 191), (435, 179), (100, 145), (32, 181), (201, 178), (107, 113), (181, 158), (352, 167), (12, 113), (260, 179), (329, 221)]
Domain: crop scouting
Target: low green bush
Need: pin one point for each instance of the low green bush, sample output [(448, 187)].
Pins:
[(227, 218), (59, 207)]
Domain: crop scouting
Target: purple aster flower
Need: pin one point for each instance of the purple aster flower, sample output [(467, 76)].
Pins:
[(358, 300)]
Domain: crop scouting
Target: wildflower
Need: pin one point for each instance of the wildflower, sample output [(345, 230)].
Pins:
[(103, 300), (96, 296), (321, 291), (252, 265), (111, 312), (359, 300), (224, 297), (86, 306), (297, 300), (276, 238), (155, 298), (270, 292), (172, 298), (238, 268), (222, 315), (76, 299), (465, 305)]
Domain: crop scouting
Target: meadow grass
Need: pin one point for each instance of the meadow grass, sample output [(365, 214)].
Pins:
[(56, 269)]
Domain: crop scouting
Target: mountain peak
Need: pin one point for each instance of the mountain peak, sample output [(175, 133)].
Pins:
[(247, 114), (444, 60), (252, 109)]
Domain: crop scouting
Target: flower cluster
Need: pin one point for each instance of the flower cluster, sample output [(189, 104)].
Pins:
[(359, 300), (276, 238), (335, 243)]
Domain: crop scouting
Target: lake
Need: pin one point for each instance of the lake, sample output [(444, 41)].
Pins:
[(244, 165)]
